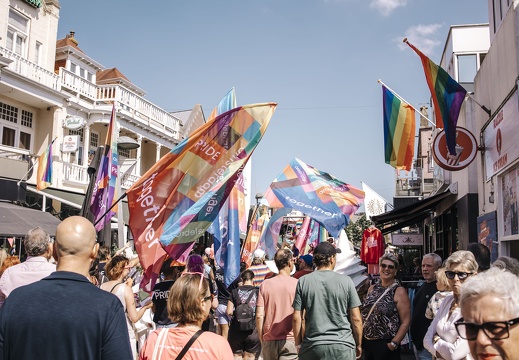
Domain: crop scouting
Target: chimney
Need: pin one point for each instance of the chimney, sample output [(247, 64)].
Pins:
[(71, 37)]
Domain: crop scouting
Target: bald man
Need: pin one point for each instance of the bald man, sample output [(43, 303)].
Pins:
[(64, 316)]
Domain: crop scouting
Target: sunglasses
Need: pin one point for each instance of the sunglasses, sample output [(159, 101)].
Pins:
[(196, 273), (389, 266), (461, 275), (494, 330)]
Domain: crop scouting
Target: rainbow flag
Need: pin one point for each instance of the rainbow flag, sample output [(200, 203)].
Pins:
[(104, 187), (447, 96), (44, 174), (399, 131), (259, 225), (316, 194), (176, 201), (270, 238)]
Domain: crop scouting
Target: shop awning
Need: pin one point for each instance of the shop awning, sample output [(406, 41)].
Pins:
[(16, 220), (408, 215)]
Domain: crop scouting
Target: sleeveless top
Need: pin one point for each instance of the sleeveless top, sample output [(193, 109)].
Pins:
[(383, 323), (119, 292)]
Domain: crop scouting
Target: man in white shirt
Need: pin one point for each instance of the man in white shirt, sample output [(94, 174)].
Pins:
[(38, 247)]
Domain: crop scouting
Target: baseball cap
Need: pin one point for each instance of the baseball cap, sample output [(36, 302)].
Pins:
[(327, 249), (258, 253), (307, 259)]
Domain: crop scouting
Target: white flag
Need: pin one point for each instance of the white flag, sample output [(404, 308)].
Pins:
[(374, 204)]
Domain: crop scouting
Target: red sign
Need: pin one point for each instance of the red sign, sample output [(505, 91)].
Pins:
[(466, 150)]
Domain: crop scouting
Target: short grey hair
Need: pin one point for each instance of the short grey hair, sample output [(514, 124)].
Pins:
[(496, 282), (507, 263), (36, 242), (464, 258), (437, 260), (390, 257)]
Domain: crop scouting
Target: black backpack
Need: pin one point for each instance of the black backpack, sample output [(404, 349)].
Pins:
[(244, 313)]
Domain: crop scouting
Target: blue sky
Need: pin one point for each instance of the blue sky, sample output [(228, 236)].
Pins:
[(318, 59)]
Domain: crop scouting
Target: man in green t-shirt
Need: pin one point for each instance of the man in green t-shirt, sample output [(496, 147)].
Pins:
[(326, 299)]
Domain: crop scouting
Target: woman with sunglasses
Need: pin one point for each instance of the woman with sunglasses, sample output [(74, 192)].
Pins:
[(490, 309), (117, 270), (441, 339), (386, 314), (189, 303)]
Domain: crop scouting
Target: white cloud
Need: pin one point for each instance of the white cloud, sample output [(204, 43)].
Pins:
[(386, 7), (424, 37)]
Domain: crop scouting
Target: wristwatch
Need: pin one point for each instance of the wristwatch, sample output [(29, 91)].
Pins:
[(395, 345)]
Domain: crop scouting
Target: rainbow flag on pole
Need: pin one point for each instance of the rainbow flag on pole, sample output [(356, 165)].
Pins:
[(44, 174), (399, 131), (104, 188), (447, 96)]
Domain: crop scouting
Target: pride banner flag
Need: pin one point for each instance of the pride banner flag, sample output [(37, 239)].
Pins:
[(104, 186), (260, 221), (175, 202), (270, 237), (231, 220), (315, 193), (447, 96), (44, 174), (399, 131)]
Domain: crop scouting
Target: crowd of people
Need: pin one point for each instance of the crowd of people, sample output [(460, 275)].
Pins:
[(74, 300)]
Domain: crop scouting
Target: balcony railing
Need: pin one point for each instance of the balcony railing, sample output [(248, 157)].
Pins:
[(77, 84), (130, 103), (139, 109), (31, 70), (75, 173)]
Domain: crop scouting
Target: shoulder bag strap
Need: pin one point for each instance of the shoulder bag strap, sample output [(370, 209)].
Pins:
[(189, 343), (159, 344), (376, 302)]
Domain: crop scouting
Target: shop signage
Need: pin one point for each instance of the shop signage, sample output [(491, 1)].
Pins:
[(466, 150), (74, 122), (70, 143), (35, 3), (509, 187), (501, 145), (487, 227), (407, 239)]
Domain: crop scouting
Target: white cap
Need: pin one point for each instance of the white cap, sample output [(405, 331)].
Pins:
[(258, 253)]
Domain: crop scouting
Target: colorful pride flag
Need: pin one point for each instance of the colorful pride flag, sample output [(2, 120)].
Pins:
[(231, 220), (104, 188), (44, 174), (447, 96), (174, 203), (399, 131), (270, 238), (316, 194), (260, 221)]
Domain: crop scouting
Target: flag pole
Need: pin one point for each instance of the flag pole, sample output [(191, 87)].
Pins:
[(402, 99), (32, 166), (111, 207)]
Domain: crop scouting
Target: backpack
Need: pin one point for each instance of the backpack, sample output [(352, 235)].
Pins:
[(244, 313)]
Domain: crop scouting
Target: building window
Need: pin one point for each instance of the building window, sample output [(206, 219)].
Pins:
[(467, 69), (17, 32), (94, 140), (25, 141), (89, 76), (8, 136), (77, 132), (38, 55), (73, 68), (124, 152), (26, 118), (8, 113)]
